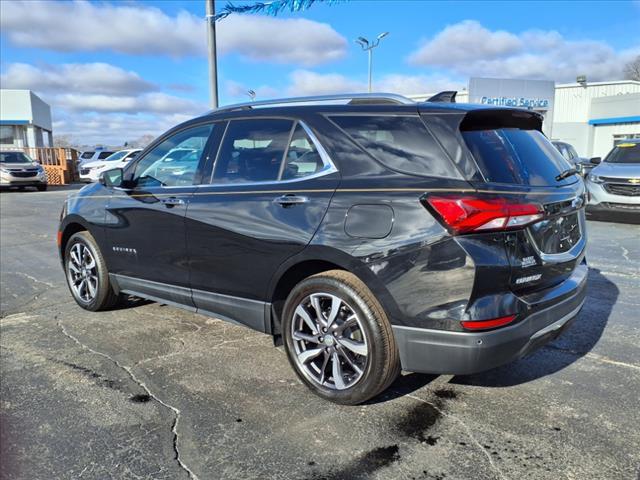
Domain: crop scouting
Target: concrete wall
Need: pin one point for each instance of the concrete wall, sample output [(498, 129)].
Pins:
[(575, 133), (41, 112), (29, 115), (603, 136), (15, 105), (573, 101), (617, 106)]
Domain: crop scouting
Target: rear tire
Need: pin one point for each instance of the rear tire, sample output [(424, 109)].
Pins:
[(87, 274), (346, 353)]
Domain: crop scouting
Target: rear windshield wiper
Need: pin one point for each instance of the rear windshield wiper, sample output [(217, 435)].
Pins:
[(567, 173)]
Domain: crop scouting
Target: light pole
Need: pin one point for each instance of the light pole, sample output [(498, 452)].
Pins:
[(368, 46), (211, 42)]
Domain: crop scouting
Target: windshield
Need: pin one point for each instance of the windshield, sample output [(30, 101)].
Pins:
[(522, 157), (14, 157), (624, 153), (116, 156)]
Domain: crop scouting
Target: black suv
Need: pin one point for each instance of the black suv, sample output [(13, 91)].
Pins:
[(368, 233)]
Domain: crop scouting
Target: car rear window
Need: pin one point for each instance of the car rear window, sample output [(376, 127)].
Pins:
[(512, 155), (624, 153), (399, 142)]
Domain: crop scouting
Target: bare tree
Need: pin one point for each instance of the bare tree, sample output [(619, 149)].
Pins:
[(632, 69), (142, 141), (64, 141)]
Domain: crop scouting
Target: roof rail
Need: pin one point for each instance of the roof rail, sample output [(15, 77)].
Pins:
[(351, 98)]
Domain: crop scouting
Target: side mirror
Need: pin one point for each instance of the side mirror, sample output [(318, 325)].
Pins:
[(111, 178), (596, 160)]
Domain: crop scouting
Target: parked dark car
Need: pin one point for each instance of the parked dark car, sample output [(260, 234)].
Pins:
[(367, 233), (584, 165)]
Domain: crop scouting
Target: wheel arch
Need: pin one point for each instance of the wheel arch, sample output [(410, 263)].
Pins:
[(314, 260), (69, 227)]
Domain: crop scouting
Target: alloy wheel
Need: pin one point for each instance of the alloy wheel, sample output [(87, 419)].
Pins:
[(82, 272), (330, 342)]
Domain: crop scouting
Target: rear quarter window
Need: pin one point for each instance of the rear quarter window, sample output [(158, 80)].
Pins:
[(401, 143)]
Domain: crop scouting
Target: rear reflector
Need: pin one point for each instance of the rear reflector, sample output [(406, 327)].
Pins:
[(486, 324), (463, 214), (59, 238)]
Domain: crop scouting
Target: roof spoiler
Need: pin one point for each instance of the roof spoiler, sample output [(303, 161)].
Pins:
[(448, 96)]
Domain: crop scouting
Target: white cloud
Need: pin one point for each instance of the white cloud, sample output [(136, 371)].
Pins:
[(77, 77), (141, 30), (464, 41), (154, 102), (467, 48), (280, 40), (305, 82), (239, 91), (112, 128)]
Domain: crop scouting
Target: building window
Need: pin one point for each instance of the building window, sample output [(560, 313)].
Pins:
[(621, 138), (6, 134)]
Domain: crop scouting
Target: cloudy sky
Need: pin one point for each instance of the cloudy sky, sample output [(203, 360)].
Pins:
[(114, 71)]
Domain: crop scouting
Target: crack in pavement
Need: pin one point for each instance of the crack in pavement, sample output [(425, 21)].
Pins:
[(467, 429), (593, 356), (129, 371), (33, 279)]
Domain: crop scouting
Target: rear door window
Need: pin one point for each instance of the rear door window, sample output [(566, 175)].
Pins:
[(401, 143), (512, 155), (252, 151)]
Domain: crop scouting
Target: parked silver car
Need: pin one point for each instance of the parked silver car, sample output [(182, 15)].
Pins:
[(614, 185), (17, 169)]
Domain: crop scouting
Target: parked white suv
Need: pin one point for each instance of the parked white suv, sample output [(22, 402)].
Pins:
[(93, 155), (90, 171), (614, 185)]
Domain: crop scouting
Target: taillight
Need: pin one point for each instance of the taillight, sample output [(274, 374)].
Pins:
[(486, 324), (463, 214)]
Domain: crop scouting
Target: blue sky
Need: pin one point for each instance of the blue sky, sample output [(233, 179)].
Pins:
[(114, 71)]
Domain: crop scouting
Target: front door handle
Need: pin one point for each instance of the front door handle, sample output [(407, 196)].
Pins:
[(290, 200), (172, 201)]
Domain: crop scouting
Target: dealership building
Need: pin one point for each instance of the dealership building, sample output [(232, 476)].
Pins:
[(25, 120), (592, 116)]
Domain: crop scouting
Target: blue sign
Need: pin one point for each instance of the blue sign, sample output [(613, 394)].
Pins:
[(521, 102)]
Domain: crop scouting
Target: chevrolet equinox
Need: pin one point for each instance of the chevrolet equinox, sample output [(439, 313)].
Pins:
[(366, 233)]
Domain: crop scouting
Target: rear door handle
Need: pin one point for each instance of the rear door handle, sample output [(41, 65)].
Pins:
[(289, 200), (172, 201)]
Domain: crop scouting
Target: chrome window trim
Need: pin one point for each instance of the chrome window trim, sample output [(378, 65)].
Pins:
[(328, 168)]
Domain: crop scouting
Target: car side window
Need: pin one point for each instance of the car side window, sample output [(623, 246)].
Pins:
[(175, 160), (302, 158), (252, 151)]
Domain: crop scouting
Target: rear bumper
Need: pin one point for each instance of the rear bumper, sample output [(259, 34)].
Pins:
[(462, 353)]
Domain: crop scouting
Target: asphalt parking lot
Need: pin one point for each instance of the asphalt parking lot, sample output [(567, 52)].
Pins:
[(151, 391)]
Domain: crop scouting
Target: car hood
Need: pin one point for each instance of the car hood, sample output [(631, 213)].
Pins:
[(95, 163), (617, 170), (19, 165)]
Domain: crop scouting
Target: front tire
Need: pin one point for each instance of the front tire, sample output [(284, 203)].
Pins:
[(338, 338), (87, 275)]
